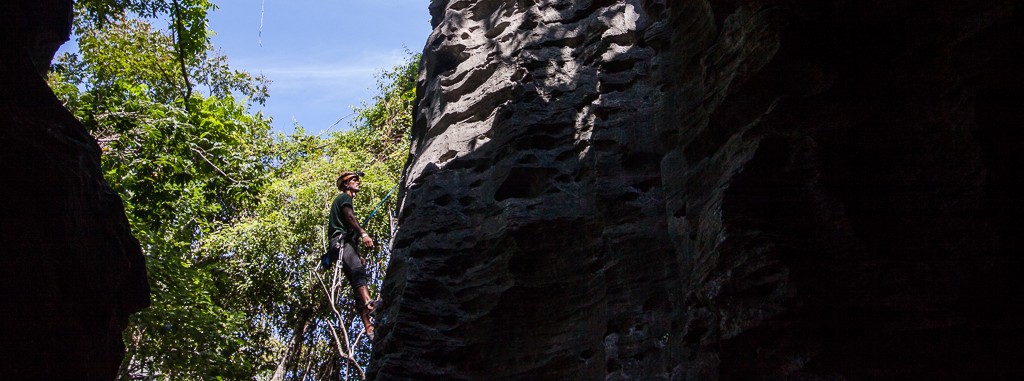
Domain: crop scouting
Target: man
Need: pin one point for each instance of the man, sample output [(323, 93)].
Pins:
[(344, 232)]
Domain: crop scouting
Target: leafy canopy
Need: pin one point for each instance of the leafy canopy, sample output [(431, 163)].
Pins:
[(231, 218)]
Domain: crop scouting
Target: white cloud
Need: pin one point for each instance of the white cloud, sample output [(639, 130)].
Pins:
[(319, 90), (315, 71)]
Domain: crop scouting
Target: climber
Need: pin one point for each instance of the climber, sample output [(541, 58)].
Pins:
[(345, 234)]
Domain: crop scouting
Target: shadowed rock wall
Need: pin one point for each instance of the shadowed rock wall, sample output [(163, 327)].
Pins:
[(70, 270), (644, 189)]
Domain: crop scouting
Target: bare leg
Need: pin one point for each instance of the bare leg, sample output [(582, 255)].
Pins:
[(364, 294)]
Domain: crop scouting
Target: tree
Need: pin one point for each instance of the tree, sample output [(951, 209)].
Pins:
[(185, 163), (230, 218), (188, 25), (276, 250)]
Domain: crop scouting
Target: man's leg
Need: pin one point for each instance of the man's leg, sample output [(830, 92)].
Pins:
[(358, 278), (364, 313), (364, 296)]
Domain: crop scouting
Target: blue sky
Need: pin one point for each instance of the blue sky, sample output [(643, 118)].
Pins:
[(321, 55)]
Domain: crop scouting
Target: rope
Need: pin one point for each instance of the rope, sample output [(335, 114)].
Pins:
[(259, 35), (379, 204), (325, 261)]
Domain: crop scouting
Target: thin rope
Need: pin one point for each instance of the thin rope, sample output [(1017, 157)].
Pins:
[(259, 35), (335, 124), (367, 219)]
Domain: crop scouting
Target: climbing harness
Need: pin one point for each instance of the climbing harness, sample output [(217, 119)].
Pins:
[(327, 260)]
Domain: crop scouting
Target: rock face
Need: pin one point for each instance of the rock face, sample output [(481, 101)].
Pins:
[(70, 270), (701, 190)]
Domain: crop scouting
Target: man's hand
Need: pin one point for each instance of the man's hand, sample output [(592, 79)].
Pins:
[(367, 241)]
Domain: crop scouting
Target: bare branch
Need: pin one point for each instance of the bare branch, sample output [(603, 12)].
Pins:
[(200, 152)]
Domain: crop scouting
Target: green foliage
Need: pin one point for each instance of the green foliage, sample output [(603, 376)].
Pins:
[(389, 117), (275, 251), (231, 219), (189, 18), (185, 164), (181, 177)]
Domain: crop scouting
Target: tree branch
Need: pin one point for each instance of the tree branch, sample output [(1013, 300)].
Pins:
[(179, 31), (200, 152)]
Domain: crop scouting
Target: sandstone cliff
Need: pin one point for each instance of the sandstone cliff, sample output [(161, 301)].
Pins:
[(652, 189), (70, 270)]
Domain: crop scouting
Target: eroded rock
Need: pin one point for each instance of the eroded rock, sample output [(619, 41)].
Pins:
[(643, 189), (70, 270)]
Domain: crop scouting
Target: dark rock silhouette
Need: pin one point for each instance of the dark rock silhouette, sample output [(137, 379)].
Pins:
[(70, 270), (702, 190)]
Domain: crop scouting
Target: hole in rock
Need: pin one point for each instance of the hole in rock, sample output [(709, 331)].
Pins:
[(525, 183)]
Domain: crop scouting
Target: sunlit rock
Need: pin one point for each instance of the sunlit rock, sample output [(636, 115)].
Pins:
[(638, 190)]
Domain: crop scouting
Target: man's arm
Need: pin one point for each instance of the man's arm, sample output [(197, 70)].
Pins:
[(350, 220)]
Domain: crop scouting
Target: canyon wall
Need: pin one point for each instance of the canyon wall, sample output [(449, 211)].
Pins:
[(70, 270), (702, 190)]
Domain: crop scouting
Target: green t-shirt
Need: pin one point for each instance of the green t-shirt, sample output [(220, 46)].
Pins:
[(336, 221)]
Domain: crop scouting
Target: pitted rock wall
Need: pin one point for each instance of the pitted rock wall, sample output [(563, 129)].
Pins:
[(643, 189)]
